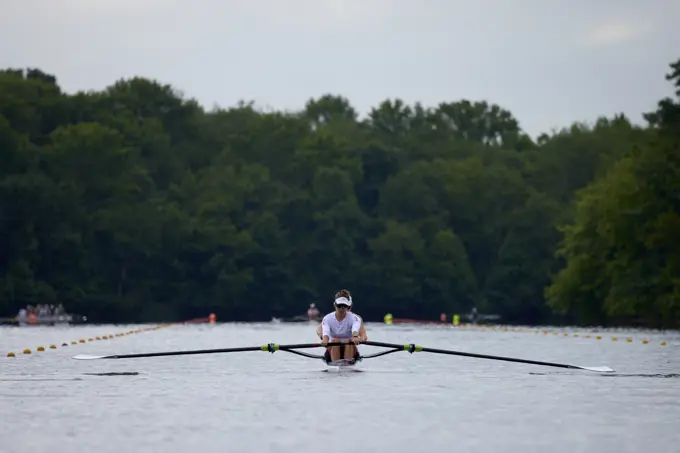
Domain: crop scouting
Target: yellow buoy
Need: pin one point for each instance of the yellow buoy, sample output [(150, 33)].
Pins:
[(388, 318), (10, 354)]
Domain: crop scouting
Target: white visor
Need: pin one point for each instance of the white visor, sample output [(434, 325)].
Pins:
[(343, 301)]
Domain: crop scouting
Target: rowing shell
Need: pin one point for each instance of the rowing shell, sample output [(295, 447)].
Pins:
[(342, 365), (347, 363)]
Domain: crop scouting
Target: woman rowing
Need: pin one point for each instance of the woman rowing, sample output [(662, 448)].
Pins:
[(362, 331), (342, 326)]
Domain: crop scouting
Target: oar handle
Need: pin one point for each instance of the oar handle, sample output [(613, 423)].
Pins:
[(312, 345)]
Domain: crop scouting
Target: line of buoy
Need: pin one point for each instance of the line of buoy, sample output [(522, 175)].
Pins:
[(27, 351), (500, 328), (560, 333)]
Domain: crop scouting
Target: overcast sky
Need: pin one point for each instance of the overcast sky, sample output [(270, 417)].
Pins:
[(549, 62)]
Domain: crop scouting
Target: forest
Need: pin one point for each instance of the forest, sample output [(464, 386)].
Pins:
[(136, 204)]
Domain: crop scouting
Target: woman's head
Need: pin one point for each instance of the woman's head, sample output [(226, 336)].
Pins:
[(343, 293), (343, 300)]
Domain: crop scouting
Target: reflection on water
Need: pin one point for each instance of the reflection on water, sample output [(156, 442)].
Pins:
[(262, 402)]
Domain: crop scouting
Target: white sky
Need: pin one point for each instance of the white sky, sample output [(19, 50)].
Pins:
[(550, 62)]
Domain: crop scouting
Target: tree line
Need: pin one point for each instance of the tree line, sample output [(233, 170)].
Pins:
[(134, 204)]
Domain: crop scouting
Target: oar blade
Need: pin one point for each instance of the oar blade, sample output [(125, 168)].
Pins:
[(597, 369), (90, 357)]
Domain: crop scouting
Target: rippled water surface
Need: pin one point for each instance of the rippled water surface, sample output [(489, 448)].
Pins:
[(261, 402)]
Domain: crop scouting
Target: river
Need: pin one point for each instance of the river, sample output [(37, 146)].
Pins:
[(399, 403)]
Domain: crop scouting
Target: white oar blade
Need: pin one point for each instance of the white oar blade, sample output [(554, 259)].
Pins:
[(597, 369), (89, 357)]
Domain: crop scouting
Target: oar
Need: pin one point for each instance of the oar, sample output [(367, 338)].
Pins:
[(413, 348), (271, 347)]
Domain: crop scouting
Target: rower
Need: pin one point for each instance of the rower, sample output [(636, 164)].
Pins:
[(312, 312), (362, 330), (341, 326)]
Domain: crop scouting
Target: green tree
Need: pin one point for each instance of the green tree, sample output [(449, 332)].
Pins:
[(622, 250)]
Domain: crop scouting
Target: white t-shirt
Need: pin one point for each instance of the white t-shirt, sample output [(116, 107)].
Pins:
[(340, 329)]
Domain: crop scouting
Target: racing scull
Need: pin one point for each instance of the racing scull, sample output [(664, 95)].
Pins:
[(389, 349)]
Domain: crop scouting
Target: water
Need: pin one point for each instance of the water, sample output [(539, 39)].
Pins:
[(261, 402)]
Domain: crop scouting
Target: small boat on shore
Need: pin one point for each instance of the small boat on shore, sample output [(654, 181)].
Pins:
[(49, 320)]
